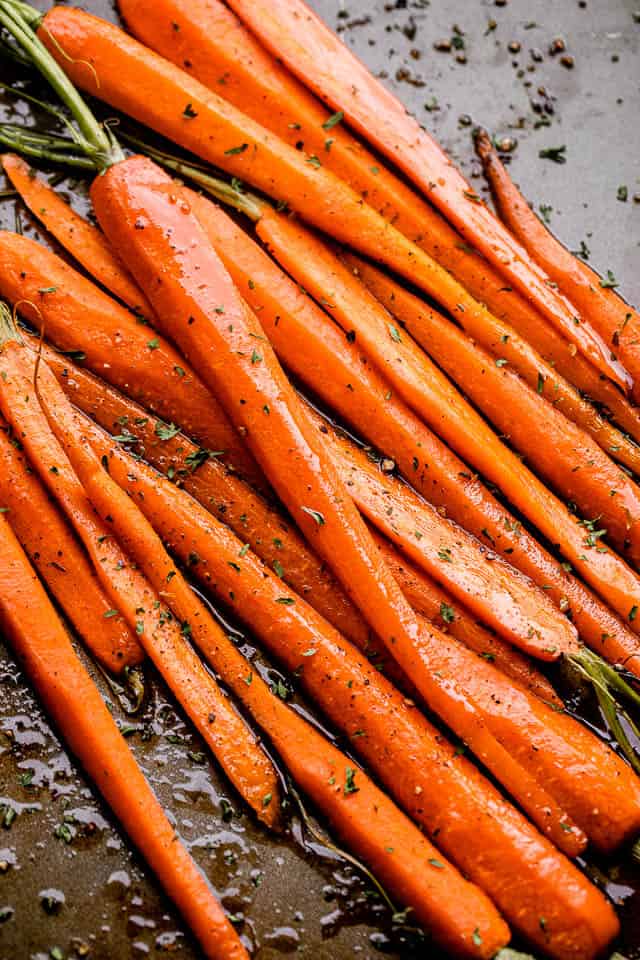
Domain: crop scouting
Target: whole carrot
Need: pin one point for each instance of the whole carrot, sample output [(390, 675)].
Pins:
[(58, 558), (295, 34), (437, 401), (334, 367), (45, 653), (76, 234), (615, 320), (125, 353), (383, 726), (159, 634), (102, 59)]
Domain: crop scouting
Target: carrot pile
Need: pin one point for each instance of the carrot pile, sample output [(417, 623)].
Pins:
[(148, 427)]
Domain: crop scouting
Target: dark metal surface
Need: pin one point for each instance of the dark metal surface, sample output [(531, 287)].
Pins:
[(68, 881)]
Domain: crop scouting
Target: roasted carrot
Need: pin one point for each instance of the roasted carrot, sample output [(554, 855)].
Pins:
[(431, 394), (616, 321), (579, 470), (384, 728), (159, 634), (439, 607), (58, 558), (271, 536), (45, 653), (295, 34), (77, 235), (336, 370), (102, 59), (504, 345), (80, 318)]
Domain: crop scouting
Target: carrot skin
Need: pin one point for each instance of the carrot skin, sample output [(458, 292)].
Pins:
[(434, 399), (311, 347), (295, 34), (125, 353), (346, 688), (615, 320), (45, 653), (84, 241), (58, 558)]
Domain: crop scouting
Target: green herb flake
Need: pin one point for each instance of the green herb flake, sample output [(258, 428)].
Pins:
[(349, 781), (232, 151), (333, 120), (315, 514), (447, 613)]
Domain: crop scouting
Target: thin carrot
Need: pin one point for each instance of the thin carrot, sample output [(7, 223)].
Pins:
[(125, 353), (45, 653), (596, 298), (56, 555), (76, 234), (295, 34), (347, 383), (439, 607), (101, 59), (436, 400), (159, 634), (579, 470), (507, 347), (382, 726)]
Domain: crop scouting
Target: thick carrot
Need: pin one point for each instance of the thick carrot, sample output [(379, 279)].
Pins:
[(80, 318), (439, 607), (77, 235), (506, 346), (136, 204), (45, 653), (615, 320), (56, 555), (440, 789), (159, 634), (291, 30), (270, 535), (141, 542), (579, 470), (335, 369), (101, 59), (433, 397)]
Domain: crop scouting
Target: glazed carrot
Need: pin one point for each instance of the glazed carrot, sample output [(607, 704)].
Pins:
[(504, 344), (291, 30), (45, 653), (440, 608), (615, 320), (102, 60), (77, 235), (579, 470), (56, 555), (159, 634), (389, 733), (80, 318), (431, 394), (347, 383)]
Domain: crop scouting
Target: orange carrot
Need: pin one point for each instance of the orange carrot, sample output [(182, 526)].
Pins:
[(123, 352), (440, 608), (321, 61), (579, 470), (159, 634), (615, 320), (382, 726), (346, 382), (504, 344), (435, 400), (77, 235), (56, 555), (135, 204), (45, 653), (101, 59)]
